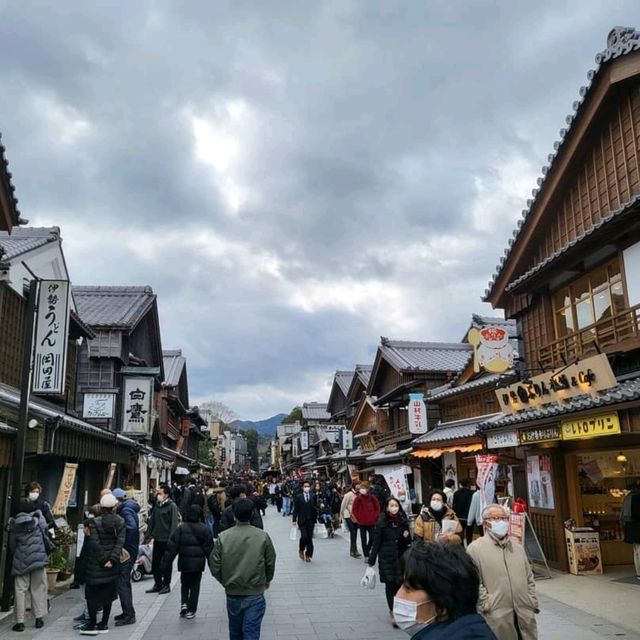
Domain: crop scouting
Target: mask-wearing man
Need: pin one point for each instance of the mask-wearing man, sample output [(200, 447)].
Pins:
[(305, 515), (163, 522), (508, 599)]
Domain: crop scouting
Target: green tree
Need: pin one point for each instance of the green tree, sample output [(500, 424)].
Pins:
[(205, 452), (252, 437), (294, 416)]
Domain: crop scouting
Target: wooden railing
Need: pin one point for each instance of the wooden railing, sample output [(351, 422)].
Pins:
[(391, 437), (611, 331)]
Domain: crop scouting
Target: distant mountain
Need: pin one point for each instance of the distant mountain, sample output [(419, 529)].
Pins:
[(263, 427)]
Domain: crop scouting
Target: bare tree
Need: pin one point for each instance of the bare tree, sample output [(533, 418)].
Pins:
[(217, 411)]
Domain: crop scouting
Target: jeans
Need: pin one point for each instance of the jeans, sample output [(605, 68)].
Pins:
[(245, 616), (353, 532), (160, 577), (124, 589), (208, 520), (190, 589), (286, 506), (306, 538), (366, 538)]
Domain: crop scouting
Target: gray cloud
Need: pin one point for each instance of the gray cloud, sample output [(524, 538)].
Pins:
[(293, 179)]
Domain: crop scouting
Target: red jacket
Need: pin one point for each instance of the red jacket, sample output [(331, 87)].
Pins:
[(366, 509)]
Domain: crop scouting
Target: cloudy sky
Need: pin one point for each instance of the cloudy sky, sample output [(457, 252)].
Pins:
[(294, 179)]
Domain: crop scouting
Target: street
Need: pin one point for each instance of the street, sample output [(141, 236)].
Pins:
[(316, 601)]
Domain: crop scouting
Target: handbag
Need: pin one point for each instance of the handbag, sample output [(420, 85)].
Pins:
[(125, 556)]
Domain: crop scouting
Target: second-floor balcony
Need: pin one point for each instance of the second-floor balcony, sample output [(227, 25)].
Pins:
[(619, 332)]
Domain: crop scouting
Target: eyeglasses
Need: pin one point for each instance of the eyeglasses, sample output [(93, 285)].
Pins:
[(498, 519)]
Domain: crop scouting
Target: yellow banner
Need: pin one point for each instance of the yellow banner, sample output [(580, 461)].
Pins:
[(64, 490), (591, 427)]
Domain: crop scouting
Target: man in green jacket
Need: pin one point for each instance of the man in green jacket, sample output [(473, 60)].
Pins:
[(243, 560), (163, 522)]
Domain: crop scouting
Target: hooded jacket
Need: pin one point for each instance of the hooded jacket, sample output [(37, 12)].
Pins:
[(192, 543), (163, 521), (27, 533), (469, 627), (128, 511)]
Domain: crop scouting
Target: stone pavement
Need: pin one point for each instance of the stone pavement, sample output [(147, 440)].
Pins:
[(318, 601)]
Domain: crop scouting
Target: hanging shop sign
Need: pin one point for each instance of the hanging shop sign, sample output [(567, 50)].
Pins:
[(417, 411), (591, 427), (346, 439), (585, 376), (503, 439), (491, 349), (136, 416), (51, 337), (98, 405), (185, 427), (64, 490), (540, 434), (487, 466), (304, 440)]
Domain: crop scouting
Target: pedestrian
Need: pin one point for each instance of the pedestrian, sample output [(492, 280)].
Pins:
[(391, 538), (34, 494), (439, 595), (30, 545), (163, 522), (305, 515), (474, 517), (508, 599), (213, 509), (366, 510), (378, 488), (228, 520), (192, 494), (461, 503), (128, 510), (437, 522), (346, 511), (192, 542), (285, 492), (100, 563), (630, 519), (449, 491), (243, 560)]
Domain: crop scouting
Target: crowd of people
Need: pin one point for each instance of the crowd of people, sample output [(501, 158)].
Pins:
[(434, 587)]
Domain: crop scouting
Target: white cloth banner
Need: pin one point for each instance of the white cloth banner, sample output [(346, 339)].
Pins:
[(396, 478), (486, 478)]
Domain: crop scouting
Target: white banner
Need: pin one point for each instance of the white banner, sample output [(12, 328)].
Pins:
[(486, 478), (304, 440), (51, 336), (137, 402), (417, 413), (98, 405), (396, 478), (504, 439), (346, 439)]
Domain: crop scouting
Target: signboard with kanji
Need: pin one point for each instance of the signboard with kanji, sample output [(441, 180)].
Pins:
[(417, 413), (136, 416)]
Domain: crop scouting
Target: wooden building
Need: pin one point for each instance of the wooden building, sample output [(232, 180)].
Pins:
[(571, 280), (338, 404), (9, 214)]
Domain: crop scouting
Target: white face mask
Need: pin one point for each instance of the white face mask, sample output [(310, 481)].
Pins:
[(306, 489), (33, 496), (363, 492), (393, 510), (500, 528), (405, 613), (436, 505)]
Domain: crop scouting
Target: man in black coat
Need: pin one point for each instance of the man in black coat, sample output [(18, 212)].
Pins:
[(228, 520), (305, 515), (630, 517), (461, 503)]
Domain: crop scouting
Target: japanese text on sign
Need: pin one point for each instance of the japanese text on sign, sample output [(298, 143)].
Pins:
[(98, 405), (417, 412), (591, 427), (137, 399), (50, 348), (540, 434)]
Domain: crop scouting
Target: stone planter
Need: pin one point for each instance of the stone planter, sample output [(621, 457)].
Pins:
[(52, 578)]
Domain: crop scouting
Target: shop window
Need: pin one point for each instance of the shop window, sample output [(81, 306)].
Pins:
[(590, 299)]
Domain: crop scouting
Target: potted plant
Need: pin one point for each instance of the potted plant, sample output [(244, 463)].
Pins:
[(57, 563)]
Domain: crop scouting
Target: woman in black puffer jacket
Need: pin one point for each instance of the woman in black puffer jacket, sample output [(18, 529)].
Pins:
[(192, 543), (391, 538)]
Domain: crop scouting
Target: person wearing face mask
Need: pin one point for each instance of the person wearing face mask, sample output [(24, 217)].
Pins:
[(305, 514), (438, 597), (508, 599), (437, 522), (366, 510), (34, 496), (391, 538), (163, 522), (345, 512)]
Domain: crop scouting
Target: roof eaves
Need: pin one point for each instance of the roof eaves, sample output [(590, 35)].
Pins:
[(7, 185)]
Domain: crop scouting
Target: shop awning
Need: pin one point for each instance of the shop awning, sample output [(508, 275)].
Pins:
[(436, 453), (380, 457)]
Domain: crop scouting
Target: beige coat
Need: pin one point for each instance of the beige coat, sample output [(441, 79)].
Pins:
[(347, 505), (425, 526), (506, 586)]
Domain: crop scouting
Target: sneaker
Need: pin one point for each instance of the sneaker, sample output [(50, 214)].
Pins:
[(18, 626), (165, 589), (88, 630), (102, 628), (119, 617), (154, 589), (190, 614), (39, 623), (123, 622), (81, 618), (183, 611)]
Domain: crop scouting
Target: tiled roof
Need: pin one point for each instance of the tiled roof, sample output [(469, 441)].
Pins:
[(363, 371), (25, 239), (455, 430), (617, 215), (113, 307), (174, 362), (7, 185), (343, 380), (620, 42), (623, 392), (315, 411), (446, 391), (425, 356)]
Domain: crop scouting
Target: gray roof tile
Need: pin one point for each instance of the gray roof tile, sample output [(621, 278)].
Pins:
[(426, 356), (363, 371), (315, 411), (174, 362), (115, 307), (25, 239), (7, 185), (446, 391), (455, 430), (622, 392), (343, 380)]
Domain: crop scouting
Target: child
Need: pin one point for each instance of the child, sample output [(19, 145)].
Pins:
[(191, 542), (94, 570)]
